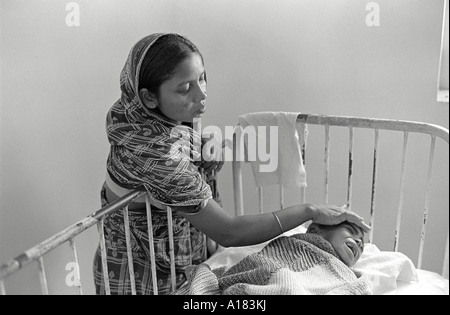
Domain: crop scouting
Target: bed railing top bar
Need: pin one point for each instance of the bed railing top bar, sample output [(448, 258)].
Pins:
[(65, 235), (374, 123)]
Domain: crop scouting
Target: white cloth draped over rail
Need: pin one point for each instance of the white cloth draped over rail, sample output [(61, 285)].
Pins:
[(290, 170)]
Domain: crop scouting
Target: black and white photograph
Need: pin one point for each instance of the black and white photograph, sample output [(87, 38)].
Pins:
[(224, 147)]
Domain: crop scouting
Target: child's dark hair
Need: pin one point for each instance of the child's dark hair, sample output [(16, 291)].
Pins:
[(162, 59)]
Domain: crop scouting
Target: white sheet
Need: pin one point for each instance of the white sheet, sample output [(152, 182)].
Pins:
[(392, 273), (429, 283)]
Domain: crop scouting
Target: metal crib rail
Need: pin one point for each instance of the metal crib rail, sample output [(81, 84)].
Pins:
[(407, 127), (68, 235), (351, 123), (37, 252), (375, 123)]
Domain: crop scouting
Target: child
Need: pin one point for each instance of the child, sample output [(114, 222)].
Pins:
[(347, 240), (316, 262)]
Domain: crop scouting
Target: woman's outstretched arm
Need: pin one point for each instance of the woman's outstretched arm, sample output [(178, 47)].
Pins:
[(232, 231)]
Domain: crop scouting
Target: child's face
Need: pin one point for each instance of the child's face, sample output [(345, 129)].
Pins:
[(181, 98), (347, 241)]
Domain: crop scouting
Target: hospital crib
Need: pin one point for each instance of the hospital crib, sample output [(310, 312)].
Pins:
[(352, 125)]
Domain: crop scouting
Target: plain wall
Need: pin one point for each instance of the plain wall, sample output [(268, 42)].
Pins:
[(310, 56)]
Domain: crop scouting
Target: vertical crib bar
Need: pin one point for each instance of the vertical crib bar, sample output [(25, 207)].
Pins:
[(2, 288), (101, 233), (42, 277), (205, 245), (151, 244), (445, 270), (205, 239), (261, 199), (402, 188), (427, 200), (237, 174), (350, 168), (326, 164), (281, 197), (77, 271), (171, 248), (197, 144), (302, 140), (126, 222), (303, 195), (374, 182)]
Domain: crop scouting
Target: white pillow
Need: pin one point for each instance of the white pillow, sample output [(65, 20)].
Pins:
[(385, 268)]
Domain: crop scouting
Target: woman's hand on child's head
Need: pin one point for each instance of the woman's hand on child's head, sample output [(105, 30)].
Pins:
[(333, 215)]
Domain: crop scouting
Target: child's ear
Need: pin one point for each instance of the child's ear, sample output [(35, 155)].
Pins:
[(149, 99)]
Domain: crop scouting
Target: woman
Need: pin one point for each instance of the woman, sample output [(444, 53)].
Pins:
[(163, 87)]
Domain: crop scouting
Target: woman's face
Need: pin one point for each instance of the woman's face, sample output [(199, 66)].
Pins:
[(182, 97), (347, 241)]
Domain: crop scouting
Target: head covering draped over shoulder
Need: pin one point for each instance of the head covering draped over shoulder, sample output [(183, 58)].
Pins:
[(149, 151)]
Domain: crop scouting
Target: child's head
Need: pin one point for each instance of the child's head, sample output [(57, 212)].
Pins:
[(346, 238)]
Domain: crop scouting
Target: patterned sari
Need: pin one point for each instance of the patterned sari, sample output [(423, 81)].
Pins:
[(188, 248), (152, 153)]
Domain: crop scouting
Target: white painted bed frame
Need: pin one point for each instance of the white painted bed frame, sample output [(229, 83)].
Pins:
[(69, 234)]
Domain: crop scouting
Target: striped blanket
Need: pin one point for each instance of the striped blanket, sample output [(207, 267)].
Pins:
[(301, 264)]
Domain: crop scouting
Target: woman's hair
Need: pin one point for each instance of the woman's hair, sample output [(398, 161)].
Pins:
[(161, 60)]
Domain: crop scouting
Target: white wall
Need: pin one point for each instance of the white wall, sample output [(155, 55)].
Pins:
[(313, 56)]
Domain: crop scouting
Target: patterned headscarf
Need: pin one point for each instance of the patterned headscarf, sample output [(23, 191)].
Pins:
[(148, 151)]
